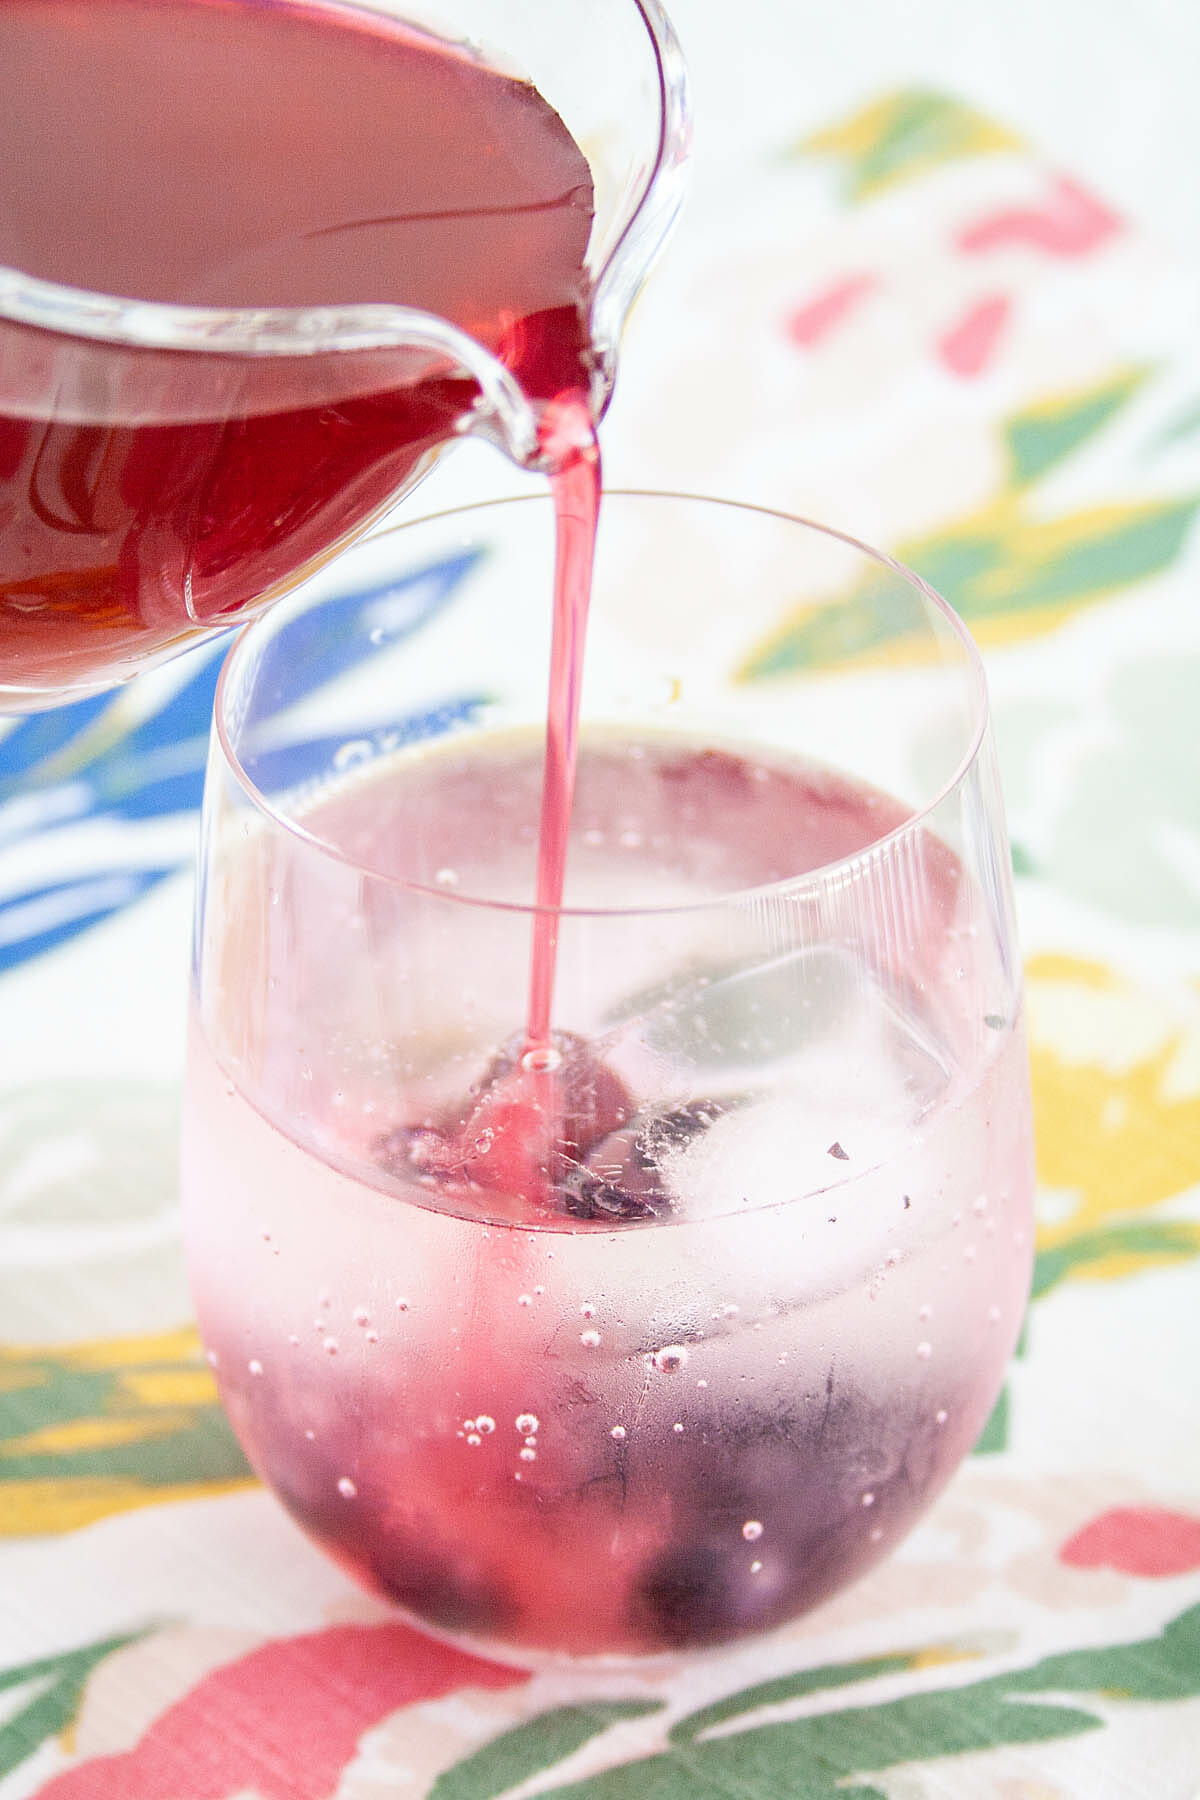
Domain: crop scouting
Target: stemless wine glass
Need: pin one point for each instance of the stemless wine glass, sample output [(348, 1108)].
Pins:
[(661, 1343)]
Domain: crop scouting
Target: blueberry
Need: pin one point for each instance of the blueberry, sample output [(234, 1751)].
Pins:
[(588, 1196), (437, 1586), (682, 1598), (662, 1133)]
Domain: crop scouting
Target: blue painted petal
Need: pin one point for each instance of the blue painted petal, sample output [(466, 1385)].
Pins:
[(174, 790), (188, 711), (34, 740), (334, 638), (27, 811), (40, 920), (285, 767)]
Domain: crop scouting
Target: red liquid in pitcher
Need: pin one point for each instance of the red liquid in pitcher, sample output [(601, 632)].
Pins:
[(235, 155)]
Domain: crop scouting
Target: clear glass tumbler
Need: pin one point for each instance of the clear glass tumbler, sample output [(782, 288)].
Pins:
[(661, 1344)]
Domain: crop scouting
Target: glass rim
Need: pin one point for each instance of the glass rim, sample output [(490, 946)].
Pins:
[(125, 321), (809, 880)]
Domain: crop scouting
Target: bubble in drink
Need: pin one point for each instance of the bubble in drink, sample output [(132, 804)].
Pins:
[(670, 1359)]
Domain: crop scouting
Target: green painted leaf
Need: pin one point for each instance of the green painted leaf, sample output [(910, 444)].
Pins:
[(143, 1411), (903, 135), (1003, 571), (1180, 426), (818, 1757), (1139, 542), (1155, 1241), (994, 1436), (1161, 1668), (789, 1687), (1044, 434), (530, 1748), (54, 1706)]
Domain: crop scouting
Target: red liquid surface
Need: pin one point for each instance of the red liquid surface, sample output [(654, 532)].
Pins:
[(236, 155)]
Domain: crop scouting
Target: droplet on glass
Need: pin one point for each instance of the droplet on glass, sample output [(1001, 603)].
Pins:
[(527, 1423), (349, 754), (670, 1359), (589, 1339)]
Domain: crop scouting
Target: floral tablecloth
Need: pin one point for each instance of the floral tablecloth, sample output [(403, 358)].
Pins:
[(911, 320)]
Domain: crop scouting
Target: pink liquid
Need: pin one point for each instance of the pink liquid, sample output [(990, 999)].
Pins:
[(454, 1348), (244, 155), (571, 438)]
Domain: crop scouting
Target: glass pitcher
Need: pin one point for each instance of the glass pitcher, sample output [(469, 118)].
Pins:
[(159, 462)]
